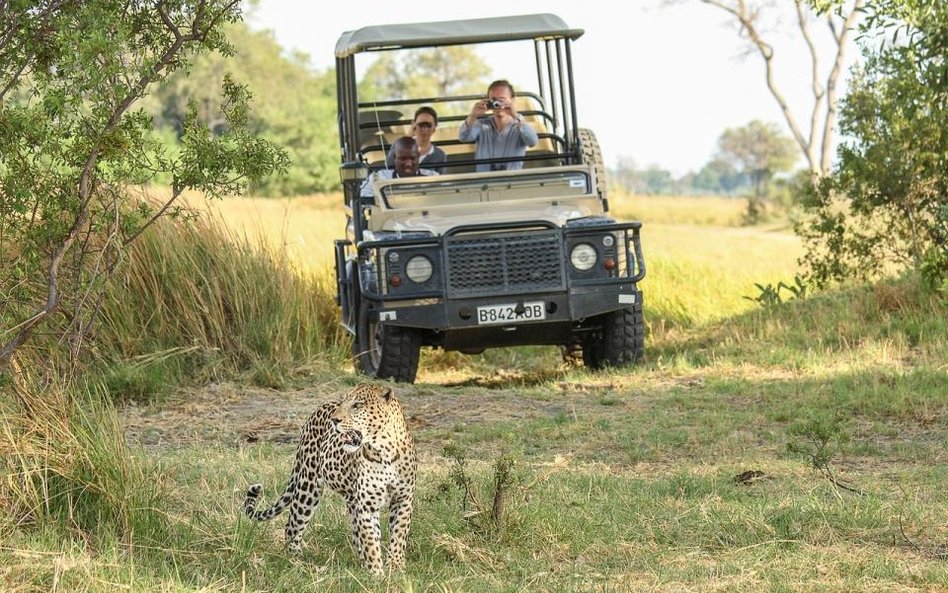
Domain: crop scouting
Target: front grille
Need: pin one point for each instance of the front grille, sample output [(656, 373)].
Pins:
[(480, 265)]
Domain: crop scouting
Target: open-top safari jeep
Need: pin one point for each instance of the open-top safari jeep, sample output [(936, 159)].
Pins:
[(472, 260)]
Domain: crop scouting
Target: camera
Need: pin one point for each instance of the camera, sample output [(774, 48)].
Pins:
[(494, 104)]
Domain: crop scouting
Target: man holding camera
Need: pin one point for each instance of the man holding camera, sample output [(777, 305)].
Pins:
[(502, 135)]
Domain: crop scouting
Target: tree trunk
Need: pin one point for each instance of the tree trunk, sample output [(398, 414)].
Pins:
[(818, 155)]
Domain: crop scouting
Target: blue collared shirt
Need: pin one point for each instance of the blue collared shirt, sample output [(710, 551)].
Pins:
[(493, 143)]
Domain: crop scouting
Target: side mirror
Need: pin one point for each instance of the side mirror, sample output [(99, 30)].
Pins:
[(353, 171), (352, 174)]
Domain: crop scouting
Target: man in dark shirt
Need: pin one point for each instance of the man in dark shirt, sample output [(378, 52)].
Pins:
[(406, 165)]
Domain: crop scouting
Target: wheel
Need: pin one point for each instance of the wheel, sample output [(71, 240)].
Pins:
[(589, 146), (385, 351), (621, 341)]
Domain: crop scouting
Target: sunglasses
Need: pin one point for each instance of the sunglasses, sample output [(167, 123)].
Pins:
[(425, 124)]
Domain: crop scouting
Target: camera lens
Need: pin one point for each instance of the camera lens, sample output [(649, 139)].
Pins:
[(494, 103)]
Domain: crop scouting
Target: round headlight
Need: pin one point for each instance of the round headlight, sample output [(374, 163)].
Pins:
[(608, 240), (393, 256), (419, 269), (583, 257)]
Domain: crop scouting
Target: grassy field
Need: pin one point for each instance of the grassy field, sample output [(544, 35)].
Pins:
[(700, 261), (798, 447)]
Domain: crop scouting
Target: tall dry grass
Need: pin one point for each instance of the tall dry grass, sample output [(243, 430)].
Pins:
[(66, 465), (193, 299), (210, 297), (302, 228), (701, 261)]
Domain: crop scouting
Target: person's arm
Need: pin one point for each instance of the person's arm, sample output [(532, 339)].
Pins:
[(527, 133), (469, 132), (470, 128)]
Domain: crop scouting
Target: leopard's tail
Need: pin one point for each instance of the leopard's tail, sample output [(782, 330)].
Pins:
[(253, 495)]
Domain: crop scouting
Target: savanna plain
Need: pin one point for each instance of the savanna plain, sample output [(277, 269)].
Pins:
[(796, 443)]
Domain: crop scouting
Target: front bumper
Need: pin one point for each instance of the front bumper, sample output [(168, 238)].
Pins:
[(455, 325), (495, 265)]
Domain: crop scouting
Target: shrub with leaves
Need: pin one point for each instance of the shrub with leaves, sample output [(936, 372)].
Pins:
[(818, 439), (72, 145), (885, 206), (484, 517)]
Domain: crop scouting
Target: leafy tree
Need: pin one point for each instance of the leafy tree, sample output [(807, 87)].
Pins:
[(297, 108), (454, 70), (718, 176), (435, 72), (658, 180), (815, 143), (758, 150), (383, 80), (885, 207), (71, 147), (649, 181)]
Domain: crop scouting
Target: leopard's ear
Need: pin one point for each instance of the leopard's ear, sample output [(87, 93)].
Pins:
[(388, 394)]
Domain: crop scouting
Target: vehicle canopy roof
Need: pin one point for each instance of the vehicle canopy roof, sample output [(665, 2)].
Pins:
[(486, 30)]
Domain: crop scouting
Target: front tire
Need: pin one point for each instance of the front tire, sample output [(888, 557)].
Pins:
[(385, 351), (621, 341)]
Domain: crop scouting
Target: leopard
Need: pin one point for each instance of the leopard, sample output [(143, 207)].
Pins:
[(360, 447)]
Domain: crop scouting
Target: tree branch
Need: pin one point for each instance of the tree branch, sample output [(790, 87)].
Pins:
[(818, 90), (86, 181), (746, 20), (176, 193), (41, 16), (829, 124)]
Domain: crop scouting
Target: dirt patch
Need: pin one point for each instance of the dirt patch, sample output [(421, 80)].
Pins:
[(230, 414)]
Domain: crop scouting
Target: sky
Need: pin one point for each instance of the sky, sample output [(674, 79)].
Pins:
[(656, 81)]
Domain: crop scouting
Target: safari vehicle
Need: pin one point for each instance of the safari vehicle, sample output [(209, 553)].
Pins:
[(471, 260)]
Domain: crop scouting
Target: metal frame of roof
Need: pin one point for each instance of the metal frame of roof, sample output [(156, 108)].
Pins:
[(486, 30)]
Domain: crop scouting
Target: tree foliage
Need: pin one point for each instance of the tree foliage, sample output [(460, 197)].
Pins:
[(434, 72), (758, 151), (72, 147), (757, 26), (295, 107), (717, 176), (885, 207), (652, 180)]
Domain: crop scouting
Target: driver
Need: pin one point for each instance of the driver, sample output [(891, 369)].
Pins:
[(406, 165)]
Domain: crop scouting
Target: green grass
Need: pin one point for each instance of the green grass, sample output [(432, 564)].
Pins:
[(625, 480)]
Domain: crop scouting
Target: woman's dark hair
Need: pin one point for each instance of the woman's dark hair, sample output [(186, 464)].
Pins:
[(429, 110)]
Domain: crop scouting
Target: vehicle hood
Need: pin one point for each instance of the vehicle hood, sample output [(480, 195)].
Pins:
[(439, 220)]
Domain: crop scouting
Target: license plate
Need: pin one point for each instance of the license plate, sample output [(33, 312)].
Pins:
[(508, 313)]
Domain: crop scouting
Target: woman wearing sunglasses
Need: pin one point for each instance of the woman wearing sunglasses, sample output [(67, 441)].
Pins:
[(422, 128)]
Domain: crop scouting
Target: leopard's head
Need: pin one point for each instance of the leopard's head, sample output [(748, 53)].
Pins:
[(365, 414)]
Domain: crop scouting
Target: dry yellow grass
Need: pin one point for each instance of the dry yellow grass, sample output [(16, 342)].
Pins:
[(696, 210), (304, 226), (701, 263)]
